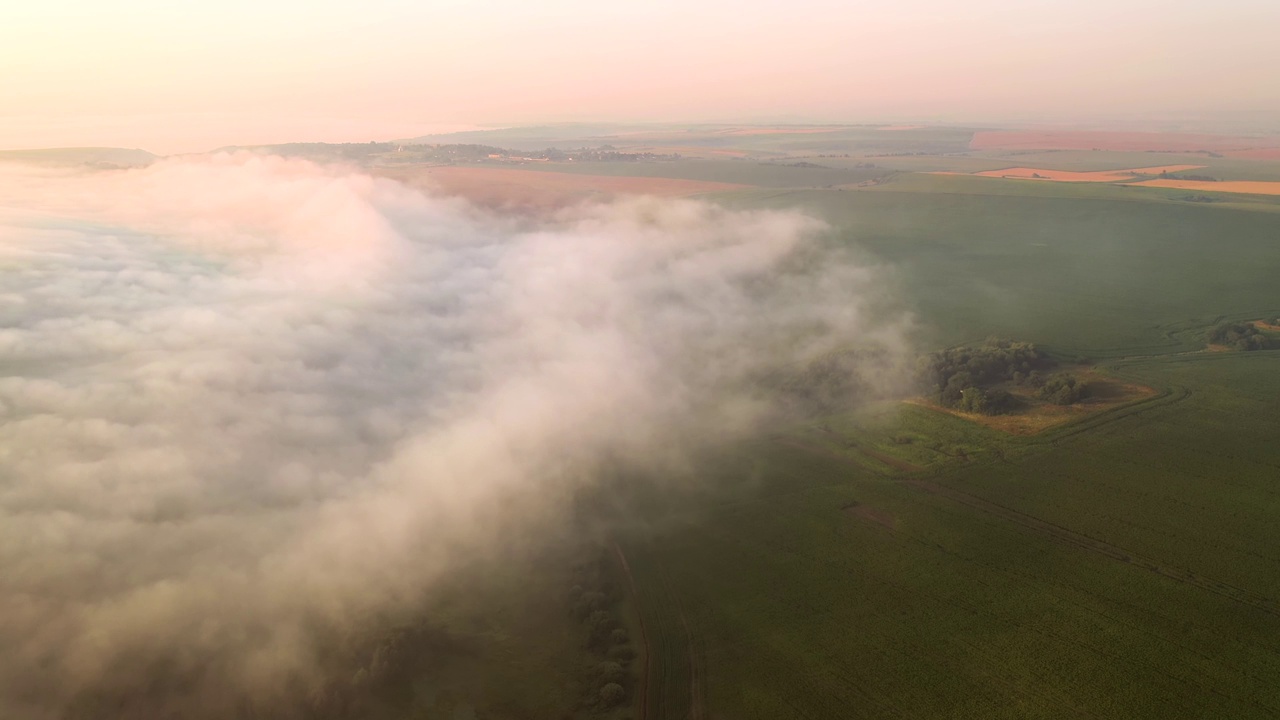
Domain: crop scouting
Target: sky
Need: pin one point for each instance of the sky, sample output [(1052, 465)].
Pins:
[(182, 77)]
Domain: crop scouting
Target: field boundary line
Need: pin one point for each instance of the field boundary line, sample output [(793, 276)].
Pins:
[(644, 635)]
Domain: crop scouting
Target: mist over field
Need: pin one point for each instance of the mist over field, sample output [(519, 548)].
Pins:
[(250, 407)]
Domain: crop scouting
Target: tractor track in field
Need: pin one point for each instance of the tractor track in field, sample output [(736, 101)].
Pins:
[(697, 710), (1100, 547), (644, 635), (1070, 537)]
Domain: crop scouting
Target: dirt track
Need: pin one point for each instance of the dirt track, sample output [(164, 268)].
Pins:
[(644, 636), (1069, 537)]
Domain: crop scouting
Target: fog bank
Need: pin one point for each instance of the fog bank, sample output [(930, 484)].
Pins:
[(248, 405)]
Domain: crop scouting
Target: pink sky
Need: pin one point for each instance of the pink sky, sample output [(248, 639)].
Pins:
[(178, 77)]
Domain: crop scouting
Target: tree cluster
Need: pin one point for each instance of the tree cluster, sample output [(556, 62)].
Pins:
[(1063, 389), (382, 683), (1239, 336), (966, 378), (825, 384), (963, 377), (592, 601)]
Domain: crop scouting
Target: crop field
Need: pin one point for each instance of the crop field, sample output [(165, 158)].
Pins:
[(1032, 173), (1224, 168), (1097, 277), (1246, 187), (963, 184), (1136, 177), (758, 140), (512, 188), (1120, 141), (741, 172), (1111, 559), (1124, 569), (673, 686), (902, 562)]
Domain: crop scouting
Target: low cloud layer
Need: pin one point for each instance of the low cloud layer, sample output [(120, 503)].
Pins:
[(247, 401)]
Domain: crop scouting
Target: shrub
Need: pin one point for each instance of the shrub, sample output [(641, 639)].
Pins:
[(1063, 390), (1239, 336), (588, 603), (622, 653), (986, 402), (599, 626), (608, 672), (611, 695), (950, 373)]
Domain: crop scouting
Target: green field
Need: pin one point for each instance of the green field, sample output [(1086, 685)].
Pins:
[(1123, 569), (899, 562), (766, 141), (1081, 275), (1124, 565), (745, 172)]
